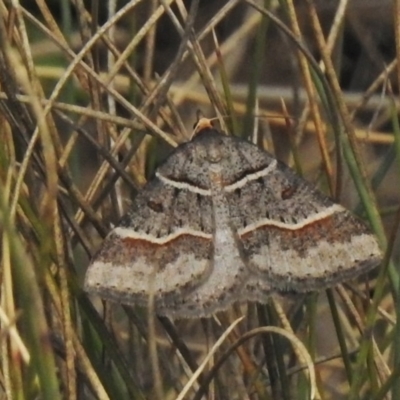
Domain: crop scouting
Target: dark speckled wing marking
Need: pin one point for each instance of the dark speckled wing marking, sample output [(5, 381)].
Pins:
[(224, 221)]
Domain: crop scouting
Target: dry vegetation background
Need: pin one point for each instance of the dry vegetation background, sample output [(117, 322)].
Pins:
[(95, 94)]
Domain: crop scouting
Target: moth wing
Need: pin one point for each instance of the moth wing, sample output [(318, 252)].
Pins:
[(293, 236)]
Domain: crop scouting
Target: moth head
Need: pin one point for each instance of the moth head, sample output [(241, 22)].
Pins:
[(201, 124)]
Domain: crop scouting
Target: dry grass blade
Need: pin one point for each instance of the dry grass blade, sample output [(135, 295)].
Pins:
[(210, 354), (259, 331)]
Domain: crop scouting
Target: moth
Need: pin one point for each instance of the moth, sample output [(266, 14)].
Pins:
[(223, 221)]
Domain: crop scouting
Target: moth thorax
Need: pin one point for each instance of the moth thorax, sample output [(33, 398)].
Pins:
[(216, 177)]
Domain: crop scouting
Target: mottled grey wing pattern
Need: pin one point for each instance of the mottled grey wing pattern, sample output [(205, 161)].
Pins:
[(162, 246), (224, 221), (294, 237)]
